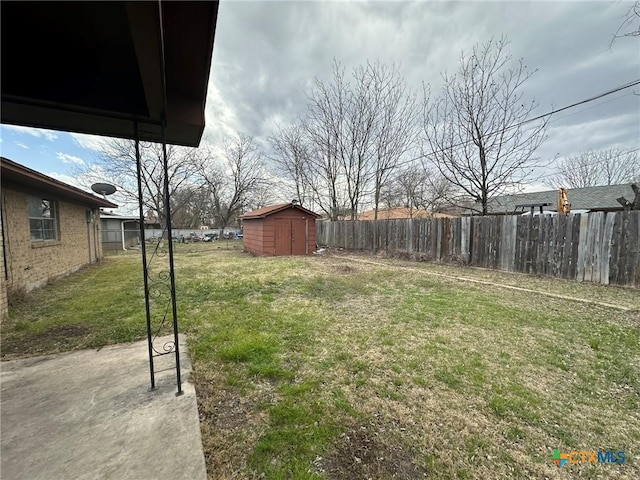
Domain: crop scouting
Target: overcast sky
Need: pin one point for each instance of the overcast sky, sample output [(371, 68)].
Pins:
[(266, 55)]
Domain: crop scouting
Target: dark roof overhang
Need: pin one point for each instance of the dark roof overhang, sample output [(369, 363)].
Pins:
[(96, 67), (18, 175)]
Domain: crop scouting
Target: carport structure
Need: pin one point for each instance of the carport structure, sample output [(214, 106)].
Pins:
[(134, 70)]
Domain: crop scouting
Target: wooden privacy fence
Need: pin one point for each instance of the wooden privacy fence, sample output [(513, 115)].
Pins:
[(596, 247)]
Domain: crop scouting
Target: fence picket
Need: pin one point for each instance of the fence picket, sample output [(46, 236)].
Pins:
[(595, 247), (582, 239)]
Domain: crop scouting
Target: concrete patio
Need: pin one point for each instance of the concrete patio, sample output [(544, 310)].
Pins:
[(89, 415)]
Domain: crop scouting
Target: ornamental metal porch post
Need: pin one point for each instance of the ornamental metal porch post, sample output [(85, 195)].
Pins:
[(159, 286), (172, 277), (145, 273)]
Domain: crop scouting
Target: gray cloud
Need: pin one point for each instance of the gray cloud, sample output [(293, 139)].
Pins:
[(266, 55)]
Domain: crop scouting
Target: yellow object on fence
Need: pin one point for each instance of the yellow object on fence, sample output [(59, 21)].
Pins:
[(563, 201)]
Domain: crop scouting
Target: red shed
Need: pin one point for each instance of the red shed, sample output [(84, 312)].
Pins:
[(286, 229)]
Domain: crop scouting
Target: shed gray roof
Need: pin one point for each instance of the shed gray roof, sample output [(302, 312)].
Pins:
[(589, 198), (115, 216)]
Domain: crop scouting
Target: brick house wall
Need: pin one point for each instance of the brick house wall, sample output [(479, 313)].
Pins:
[(33, 264), (4, 303)]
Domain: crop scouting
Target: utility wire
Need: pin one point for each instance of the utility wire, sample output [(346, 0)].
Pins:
[(591, 107), (539, 117), (629, 85)]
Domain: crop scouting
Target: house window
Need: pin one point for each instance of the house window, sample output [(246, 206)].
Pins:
[(43, 219)]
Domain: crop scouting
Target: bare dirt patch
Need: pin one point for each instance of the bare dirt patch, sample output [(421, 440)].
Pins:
[(622, 296), (61, 332), (345, 269), (230, 424), (369, 452), (54, 339)]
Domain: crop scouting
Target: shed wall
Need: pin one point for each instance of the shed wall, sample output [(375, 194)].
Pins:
[(260, 234), (252, 236)]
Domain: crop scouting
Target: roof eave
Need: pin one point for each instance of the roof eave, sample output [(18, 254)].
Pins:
[(21, 175), (250, 216), (119, 90)]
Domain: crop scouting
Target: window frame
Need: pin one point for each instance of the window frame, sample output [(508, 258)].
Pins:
[(49, 216)]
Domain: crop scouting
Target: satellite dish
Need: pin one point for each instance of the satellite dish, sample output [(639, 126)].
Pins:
[(103, 188)]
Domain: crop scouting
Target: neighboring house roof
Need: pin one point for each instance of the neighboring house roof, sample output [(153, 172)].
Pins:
[(266, 211), (398, 212), (15, 174), (589, 198)]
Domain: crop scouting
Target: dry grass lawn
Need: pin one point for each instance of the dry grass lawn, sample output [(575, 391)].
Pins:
[(354, 367)]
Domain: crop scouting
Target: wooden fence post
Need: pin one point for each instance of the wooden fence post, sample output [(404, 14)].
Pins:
[(592, 247)]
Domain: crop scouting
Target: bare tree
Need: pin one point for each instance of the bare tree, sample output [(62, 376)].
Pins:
[(355, 138), (597, 167), (416, 188), (630, 26), (116, 164), (262, 195), (397, 128), (196, 207), (233, 183), (292, 161), (323, 127), (475, 130), (357, 130)]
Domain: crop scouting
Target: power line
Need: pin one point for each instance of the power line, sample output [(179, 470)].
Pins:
[(629, 85), (592, 106), (539, 117)]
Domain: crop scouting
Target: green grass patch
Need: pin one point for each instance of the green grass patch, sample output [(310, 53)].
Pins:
[(97, 306), (302, 365)]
